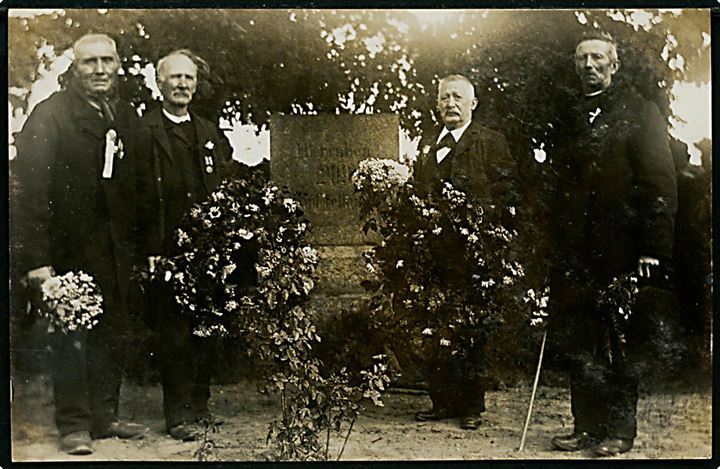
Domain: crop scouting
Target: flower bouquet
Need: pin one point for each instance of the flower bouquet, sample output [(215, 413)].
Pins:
[(445, 260), (242, 254), (73, 301)]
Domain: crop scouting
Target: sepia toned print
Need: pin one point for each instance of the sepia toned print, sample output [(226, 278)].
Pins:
[(326, 234)]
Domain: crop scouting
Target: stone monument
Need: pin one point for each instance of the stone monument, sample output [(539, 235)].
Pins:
[(315, 157)]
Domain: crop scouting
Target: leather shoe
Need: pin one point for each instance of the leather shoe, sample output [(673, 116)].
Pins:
[(613, 446), (470, 423), (185, 431), (573, 442), (77, 443), (432, 414)]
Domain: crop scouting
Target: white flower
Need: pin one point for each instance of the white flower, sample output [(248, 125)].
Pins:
[(245, 234), (290, 205), (511, 210), (229, 269), (309, 255), (214, 212), (269, 194), (399, 264), (209, 145), (437, 230), (182, 237), (445, 342), (427, 331)]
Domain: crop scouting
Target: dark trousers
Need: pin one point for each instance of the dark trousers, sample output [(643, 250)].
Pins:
[(604, 397), (185, 363), (456, 383), (87, 373), (603, 382)]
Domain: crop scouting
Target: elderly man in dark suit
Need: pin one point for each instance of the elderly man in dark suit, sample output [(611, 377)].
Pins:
[(615, 205), (186, 162), (75, 210), (476, 160)]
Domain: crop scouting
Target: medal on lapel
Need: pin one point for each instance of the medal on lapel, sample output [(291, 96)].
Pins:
[(209, 161)]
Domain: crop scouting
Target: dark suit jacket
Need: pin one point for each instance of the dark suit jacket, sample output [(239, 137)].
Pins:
[(616, 194), (480, 165), (65, 214), (154, 183)]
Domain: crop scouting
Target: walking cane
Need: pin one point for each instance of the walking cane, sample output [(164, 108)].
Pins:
[(532, 396)]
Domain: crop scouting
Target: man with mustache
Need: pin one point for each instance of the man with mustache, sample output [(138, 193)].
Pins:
[(477, 161), (187, 161), (75, 211), (616, 198)]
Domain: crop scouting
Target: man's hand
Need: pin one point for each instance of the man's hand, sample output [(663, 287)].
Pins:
[(36, 277), (644, 264)]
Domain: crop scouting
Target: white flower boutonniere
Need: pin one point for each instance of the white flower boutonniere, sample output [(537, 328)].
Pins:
[(209, 145)]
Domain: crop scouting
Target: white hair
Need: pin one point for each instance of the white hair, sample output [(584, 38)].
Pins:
[(178, 53), (88, 38)]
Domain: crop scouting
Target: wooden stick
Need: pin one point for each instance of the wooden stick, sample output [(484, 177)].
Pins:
[(532, 396), (342, 450)]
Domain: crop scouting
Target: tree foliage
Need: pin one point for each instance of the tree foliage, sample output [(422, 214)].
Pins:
[(270, 61)]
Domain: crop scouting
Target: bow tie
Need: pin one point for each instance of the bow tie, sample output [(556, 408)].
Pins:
[(448, 141)]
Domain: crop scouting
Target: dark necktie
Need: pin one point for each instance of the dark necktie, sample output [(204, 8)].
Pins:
[(107, 111)]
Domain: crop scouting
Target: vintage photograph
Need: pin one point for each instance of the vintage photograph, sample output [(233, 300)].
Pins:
[(360, 235)]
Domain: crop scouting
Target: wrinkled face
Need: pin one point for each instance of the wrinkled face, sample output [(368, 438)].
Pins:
[(177, 80), (96, 66), (595, 65), (456, 102)]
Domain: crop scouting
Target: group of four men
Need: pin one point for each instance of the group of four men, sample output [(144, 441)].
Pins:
[(83, 207)]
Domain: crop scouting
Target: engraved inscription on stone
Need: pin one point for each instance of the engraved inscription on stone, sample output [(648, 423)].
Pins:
[(315, 156)]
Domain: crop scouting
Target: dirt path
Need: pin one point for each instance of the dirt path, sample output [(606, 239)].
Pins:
[(670, 426)]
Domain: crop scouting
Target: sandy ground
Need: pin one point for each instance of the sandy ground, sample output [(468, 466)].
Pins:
[(670, 426)]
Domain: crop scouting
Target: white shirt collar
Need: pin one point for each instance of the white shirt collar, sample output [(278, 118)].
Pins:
[(177, 119), (590, 95), (456, 133)]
